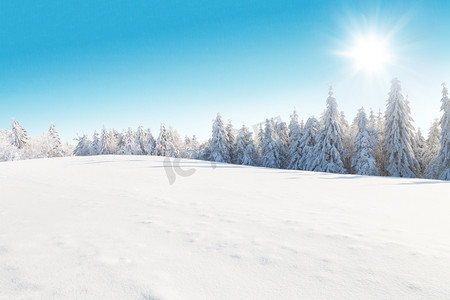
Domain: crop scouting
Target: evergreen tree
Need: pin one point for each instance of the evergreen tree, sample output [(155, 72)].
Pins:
[(343, 122), (245, 150), (187, 141), (54, 143), (19, 136), (398, 136), (164, 146), (308, 142), (192, 148), (115, 140), (259, 142), (175, 140), (372, 119), (282, 134), (204, 150), (348, 139), (128, 142), (121, 141), (329, 147), (140, 140), (106, 142), (241, 145), (380, 122), (231, 141), (363, 161), (186, 146), (95, 147), (270, 156), (379, 151), (295, 136), (433, 145), (195, 147), (419, 148), (150, 145), (250, 154), (219, 147), (83, 147), (443, 159)]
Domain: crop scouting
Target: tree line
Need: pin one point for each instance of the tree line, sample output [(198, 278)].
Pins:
[(373, 144), (15, 144)]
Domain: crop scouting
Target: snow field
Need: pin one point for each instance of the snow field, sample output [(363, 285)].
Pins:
[(112, 227)]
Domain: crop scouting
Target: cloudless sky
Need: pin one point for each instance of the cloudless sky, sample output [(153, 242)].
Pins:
[(85, 64)]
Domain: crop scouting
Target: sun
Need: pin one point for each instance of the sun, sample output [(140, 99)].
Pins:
[(370, 53)]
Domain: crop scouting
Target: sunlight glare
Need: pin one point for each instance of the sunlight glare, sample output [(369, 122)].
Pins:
[(370, 54)]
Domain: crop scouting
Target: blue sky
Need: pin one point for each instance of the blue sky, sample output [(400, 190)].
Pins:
[(85, 64)]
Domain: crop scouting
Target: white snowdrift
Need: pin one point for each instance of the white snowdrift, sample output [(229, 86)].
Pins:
[(112, 227)]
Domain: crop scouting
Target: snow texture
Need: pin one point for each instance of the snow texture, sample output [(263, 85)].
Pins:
[(111, 227)]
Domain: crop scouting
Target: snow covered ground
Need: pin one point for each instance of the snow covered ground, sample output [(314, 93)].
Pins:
[(112, 227)]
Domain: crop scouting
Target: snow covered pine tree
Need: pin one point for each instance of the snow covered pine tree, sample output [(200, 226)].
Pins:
[(327, 153), (433, 145), (282, 133), (363, 161), (19, 136), (295, 136), (54, 143), (83, 147), (164, 146), (398, 135), (231, 141), (443, 159), (419, 148), (140, 142), (127, 142), (245, 150), (95, 147), (308, 142), (270, 156), (219, 148), (106, 142)]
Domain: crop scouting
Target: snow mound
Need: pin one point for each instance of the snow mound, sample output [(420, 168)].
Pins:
[(113, 227)]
